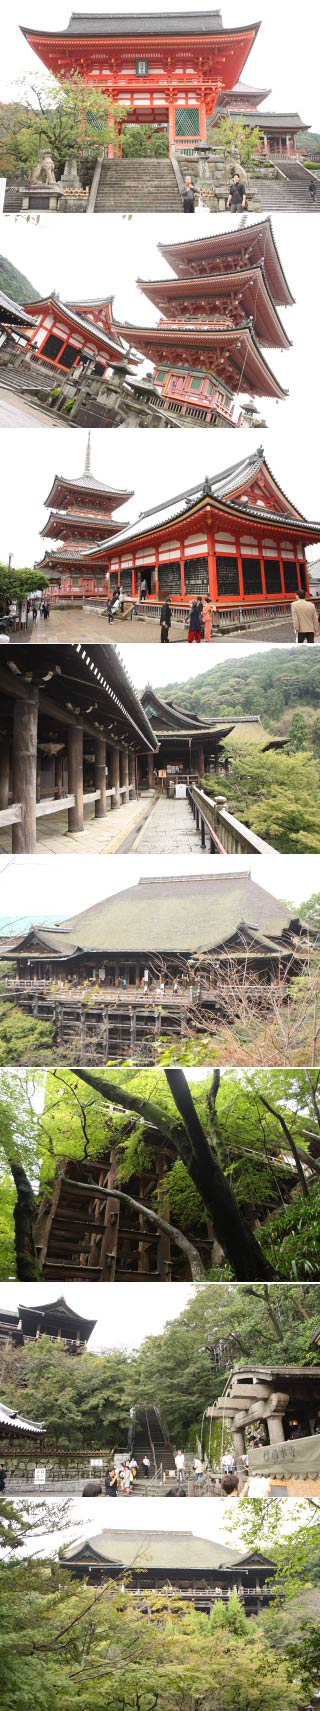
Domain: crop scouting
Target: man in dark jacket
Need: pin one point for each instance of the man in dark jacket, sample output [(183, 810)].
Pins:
[(188, 196), (237, 194), (165, 621), (195, 623)]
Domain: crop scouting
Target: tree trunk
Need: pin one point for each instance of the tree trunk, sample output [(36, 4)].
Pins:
[(196, 1267), (28, 1267), (290, 1141), (237, 1240)]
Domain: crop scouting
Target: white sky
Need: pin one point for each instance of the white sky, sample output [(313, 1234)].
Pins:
[(120, 1326), (29, 461), (55, 886), (159, 671), (56, 254), (215, 1520), (285, 57)]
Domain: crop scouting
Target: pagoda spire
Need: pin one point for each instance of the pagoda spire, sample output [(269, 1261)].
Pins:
[(87, 467)]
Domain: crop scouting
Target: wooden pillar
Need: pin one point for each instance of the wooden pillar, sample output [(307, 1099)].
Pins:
[(38, 782), (4, 774), (200, 761), (203, 121), (134, 579), (75, 777), (132, 774), (263, 573), (100, 758), (24, 772), (212, 561), (183, 580), (157, 574), (239, 558), (124, 771), (150, 771), (172, 125), (283, 590), (115, 777), (59, 775)]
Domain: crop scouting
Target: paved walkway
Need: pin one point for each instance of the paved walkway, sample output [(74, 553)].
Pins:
[(100, 837), (170, 828), (88, 625), (18, 412)]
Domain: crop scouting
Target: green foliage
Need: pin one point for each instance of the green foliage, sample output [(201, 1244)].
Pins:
[(310, 910), (240, 142), (64, 1644), (23, 1039), (265, 685), (144, 140), (16, 584), (73, 120), (277, 794), (15, 284), (298, 734)]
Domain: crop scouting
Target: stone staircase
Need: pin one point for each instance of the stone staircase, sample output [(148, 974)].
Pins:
[(289, 189), (138, 186)]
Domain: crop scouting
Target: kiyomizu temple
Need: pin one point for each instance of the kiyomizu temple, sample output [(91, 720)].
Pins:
[(196, 1571), (178, 73), (163, 68), (236, 538), (155, 957)]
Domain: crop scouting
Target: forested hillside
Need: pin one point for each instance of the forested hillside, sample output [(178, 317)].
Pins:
[(15, 283), (268, 684)]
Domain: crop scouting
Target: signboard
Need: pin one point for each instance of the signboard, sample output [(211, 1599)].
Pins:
[(142, 68), (296, 1456), (96, 1461), (39, 1476)]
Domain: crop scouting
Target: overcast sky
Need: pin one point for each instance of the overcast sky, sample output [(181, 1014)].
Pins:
[(161, 672), (285, 57), (55, 886), (221, 1521), (56, 254), (118, 1326), (30, 461)]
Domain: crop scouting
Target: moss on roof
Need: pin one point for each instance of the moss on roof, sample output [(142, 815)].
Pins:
[(185, 915)]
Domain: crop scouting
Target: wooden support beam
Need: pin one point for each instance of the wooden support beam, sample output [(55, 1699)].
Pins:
[(100, 778), (4, 774), (115, 777), (24, 772), (75, 777)]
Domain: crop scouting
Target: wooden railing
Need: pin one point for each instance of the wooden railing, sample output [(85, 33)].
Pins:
[(12, 815), (226, 835)]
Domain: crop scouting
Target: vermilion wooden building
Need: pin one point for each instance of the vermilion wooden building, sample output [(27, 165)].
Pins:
[(218, 316), (163, 68), (236, 537), (74, 336)]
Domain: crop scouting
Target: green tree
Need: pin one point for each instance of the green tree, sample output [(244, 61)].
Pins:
[(74, 119), (276, 794), (16, 585), (240, 142), (298, 735)]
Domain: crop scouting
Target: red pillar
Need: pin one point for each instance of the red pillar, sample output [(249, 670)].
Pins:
[(239, 558), (212, 561), (203, 121), (157, 574), (283, 591), (134, 580), (263, 573), (183, 580), (172, 125)]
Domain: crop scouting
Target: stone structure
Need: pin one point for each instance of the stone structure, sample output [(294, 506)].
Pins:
[(274, 1416), (43, 172)]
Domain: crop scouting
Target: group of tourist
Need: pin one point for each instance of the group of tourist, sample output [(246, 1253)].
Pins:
[(201, 617)]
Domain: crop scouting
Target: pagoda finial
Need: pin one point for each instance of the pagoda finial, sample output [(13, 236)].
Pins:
[(87, 467)]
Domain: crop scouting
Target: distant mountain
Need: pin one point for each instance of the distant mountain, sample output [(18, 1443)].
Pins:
[(268, 684), (15, 283)]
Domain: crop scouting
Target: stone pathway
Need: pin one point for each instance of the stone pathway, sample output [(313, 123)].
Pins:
[(17, 412), (87, 626), (170, 828), (100, 837)]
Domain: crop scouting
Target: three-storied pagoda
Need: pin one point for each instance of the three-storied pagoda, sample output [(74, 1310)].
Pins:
[(218, 316), (80, 515), (162, 68)]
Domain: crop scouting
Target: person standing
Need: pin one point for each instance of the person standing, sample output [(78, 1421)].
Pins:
[(188, 196), (165, 621), (146, 1466), (143, 589), (237, 193), (207, 619), (304, 618), (195, 623), (179, 1463), (111, 1482)]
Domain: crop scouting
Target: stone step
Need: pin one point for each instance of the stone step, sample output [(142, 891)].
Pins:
[(138, 186)]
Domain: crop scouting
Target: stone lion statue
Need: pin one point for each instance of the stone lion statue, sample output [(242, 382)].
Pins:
[(43, 172)]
